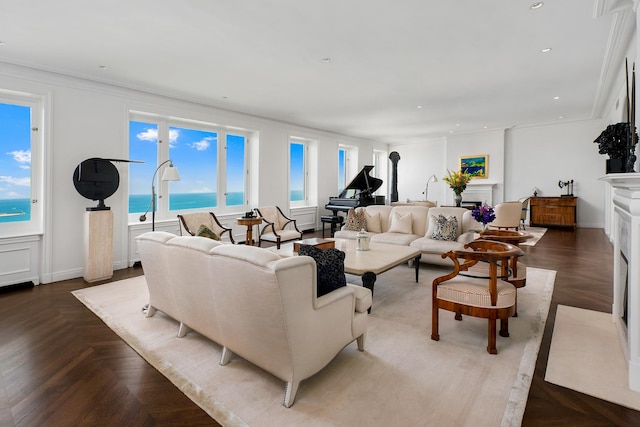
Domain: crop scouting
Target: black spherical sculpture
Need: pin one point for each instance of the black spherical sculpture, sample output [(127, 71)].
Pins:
[(96, 179)]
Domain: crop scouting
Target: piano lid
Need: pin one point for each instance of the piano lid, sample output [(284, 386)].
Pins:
[(362, 185)]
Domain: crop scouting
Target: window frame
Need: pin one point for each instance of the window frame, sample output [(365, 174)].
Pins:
[(305, 171), (35, 224), (164, 123)]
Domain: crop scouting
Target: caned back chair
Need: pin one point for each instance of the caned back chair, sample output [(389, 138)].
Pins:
[(278, 227), (482, 292), (192, 222)]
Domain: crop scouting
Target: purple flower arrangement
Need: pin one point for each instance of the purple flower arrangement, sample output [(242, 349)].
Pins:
[(483, 214)]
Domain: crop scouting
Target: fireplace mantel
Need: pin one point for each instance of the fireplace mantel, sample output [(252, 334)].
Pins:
[(479, 190), (626, 267)]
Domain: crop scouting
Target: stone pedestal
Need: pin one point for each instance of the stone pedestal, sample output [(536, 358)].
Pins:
[(98, 245)]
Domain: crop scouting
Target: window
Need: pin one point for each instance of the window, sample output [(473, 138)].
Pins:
[(297, 171), (342, 169), (207, 168), (20, 165), (235, 182), (380, 169)]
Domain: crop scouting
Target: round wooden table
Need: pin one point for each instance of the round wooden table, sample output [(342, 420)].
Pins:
[(249, 223)]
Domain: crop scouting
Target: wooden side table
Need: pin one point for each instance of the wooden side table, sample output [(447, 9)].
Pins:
[(249, 223)]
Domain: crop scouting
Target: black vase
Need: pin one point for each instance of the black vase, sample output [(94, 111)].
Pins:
[(615, 166)]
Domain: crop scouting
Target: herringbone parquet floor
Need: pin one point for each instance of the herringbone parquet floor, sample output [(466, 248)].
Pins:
[(61, 366)]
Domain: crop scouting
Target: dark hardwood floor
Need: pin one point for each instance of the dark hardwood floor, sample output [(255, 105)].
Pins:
[(61, 366)]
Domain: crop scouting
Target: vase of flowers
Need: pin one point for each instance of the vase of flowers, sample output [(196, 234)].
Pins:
[(458, 182), (484, 214)]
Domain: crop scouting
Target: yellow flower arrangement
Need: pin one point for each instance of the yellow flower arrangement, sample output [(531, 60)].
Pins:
[(458, 180)]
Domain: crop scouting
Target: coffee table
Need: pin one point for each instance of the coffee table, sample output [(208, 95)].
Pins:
[(379, 258)]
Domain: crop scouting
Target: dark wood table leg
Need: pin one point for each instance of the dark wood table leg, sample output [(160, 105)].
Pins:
[(368, 280), (416, 264)]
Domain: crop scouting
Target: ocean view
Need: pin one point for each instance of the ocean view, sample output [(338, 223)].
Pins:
[(15, 210)]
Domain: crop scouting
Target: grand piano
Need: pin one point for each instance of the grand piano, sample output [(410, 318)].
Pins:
[(359, 192)]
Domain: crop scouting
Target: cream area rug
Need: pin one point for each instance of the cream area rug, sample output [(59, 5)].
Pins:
[(402, 378), (536, 232), (586, 355)]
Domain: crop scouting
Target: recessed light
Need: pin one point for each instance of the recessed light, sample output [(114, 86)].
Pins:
[(419, 107), (2, 43), (485, 127), (450, 131), (103, 67), (556, 97), (326, 60), (561, 117), (536, 5), (457, 124), (546, 49)]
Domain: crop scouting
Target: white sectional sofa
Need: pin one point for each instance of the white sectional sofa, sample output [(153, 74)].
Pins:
[(254, 303), (420, 235)]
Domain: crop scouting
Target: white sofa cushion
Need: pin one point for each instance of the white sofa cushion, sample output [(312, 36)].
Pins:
[(400, 223), (373, 222)]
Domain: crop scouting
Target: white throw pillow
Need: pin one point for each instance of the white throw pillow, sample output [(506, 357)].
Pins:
[(373, 223), (400, 224)]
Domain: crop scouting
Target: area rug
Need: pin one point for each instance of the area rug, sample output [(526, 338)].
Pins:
[(402, 378), (536, 232), (586, 355)]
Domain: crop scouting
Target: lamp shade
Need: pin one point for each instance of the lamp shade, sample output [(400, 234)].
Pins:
[(170, 174)]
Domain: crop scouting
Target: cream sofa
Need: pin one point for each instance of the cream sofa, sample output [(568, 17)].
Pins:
[(420, 235), (253, 303)]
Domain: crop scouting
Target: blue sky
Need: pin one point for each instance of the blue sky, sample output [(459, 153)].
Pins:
[(193, 152), (15, 152)]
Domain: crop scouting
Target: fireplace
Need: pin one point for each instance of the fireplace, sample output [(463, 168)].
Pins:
[(625, 233)]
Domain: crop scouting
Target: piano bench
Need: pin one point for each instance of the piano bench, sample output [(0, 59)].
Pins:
[(333, 220)]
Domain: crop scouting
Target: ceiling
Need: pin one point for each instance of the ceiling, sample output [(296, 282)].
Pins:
[(397, 71)]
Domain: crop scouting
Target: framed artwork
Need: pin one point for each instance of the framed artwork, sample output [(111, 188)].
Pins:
[(477, 163)]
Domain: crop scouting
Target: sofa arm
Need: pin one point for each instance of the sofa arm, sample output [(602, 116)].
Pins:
[(360, 294), (364, 299)]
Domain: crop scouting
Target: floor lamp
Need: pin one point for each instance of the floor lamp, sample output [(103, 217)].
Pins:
[(169, 174), (426, 188)]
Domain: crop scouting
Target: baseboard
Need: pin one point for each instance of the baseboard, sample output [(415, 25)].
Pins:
[(16, 286)]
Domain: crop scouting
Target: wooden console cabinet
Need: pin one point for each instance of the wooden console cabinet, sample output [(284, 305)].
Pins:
[(553, 211)]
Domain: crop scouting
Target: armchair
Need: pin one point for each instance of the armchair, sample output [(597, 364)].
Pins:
[(470, 290), (192, 221), (508, 215), (525, 208), (276, 228)]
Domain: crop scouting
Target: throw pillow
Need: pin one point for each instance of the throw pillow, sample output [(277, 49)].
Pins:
[(356, 220), (373, 223), (445, 228), (329, 267), (400, 223), (204, 231)]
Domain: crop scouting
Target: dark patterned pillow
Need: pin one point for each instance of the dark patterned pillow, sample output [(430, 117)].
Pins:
[(356, 220), (329, 267), (204, 231), (445, 228)]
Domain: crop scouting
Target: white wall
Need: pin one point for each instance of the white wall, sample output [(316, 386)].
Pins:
[(89, 119), (519, 159), (543, 155), (417, 163)]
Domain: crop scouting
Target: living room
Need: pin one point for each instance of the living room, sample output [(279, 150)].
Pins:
[(85, 118)]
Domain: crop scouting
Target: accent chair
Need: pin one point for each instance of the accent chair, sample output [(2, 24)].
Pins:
[(475, 289), (279, 228), (192, 222), (508, 215)]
